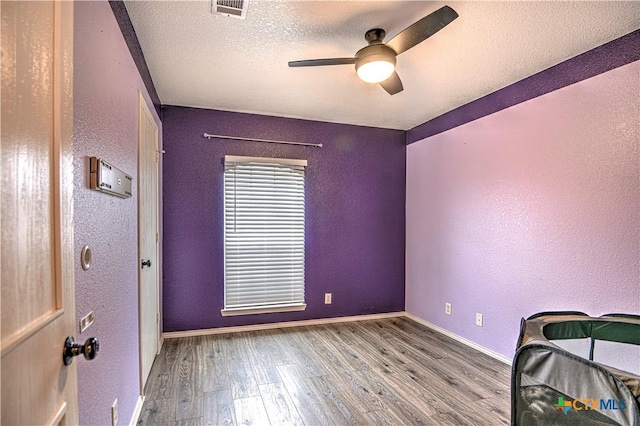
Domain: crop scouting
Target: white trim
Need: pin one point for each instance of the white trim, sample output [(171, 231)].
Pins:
[(136, 411), (270, 326), (241, 159), (460, 339), (145, 112), (272, 309), (160, 344)]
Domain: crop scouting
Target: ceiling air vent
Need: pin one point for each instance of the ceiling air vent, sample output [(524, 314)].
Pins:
[(233, 8)]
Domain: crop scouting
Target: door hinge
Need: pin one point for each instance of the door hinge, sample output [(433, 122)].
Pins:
[(158, 317), (157, 237)]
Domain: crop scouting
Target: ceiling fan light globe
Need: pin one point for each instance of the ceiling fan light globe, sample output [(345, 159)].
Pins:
[(375, 63), (375, 71)]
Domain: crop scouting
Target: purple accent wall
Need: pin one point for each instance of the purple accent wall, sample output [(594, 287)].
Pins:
[(616, 53), (355, 194), (106, 85), (533, 208)]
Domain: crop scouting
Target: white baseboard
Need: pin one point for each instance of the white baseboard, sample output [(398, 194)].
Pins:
[(460, 339), (137, 411), (270, 326), (160, 343)]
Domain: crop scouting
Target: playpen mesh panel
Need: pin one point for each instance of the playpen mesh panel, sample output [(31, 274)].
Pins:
[(553, 387)]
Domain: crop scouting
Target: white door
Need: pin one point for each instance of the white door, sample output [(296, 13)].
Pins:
[(36, 164), (148, 239)]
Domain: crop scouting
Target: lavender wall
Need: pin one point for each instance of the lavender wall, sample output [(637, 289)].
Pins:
[(533, 208), (614, 54), (355, 192), (106, 84)]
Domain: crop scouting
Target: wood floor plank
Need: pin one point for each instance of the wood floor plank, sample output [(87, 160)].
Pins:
[(478, 382), (190, 381), (395, 401), (337, 344), (305, 359), (332, 359), (463, 385), (450, 347), (382, 377), (158, 412), (463, 378), (310, 407), (496, 409), (215, 373), (162, 377), (335, 400), (358, 391), (379, 381), (452, 418), (340, 373), (422, 372), (242, 379), (391, 371), (279, 405), (259, 353), (279, 349), (219, 408), (216, 346), (384, 417), (195, 421), (460, 356), (386, 361), (251, 411)]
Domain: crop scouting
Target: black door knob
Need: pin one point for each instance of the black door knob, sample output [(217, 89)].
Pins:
[(71, 348), (146, 263)]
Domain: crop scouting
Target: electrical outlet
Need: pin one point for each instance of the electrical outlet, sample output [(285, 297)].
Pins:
[(479, 320), (447, 308), (327, 298), (114, 413), (86, 321)]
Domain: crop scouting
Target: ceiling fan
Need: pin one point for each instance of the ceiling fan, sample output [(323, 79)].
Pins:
[(376, 62)]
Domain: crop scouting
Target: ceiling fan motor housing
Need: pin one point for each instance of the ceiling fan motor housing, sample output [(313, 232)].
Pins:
[(374, 53)]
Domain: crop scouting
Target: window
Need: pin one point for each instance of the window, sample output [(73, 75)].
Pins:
[(263, 235)]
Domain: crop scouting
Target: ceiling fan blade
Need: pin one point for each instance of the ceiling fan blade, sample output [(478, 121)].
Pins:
[(320, 62), (422, 29), (393, 84)]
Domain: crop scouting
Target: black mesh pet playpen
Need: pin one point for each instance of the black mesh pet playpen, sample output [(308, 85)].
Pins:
[(554, 386)]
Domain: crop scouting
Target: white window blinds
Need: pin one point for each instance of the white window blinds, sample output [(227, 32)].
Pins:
[(264, 220)]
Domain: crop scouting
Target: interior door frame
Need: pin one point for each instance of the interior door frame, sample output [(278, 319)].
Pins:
[(143, 108)]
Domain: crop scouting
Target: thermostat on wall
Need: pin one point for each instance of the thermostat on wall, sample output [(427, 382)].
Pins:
[(107, 178)]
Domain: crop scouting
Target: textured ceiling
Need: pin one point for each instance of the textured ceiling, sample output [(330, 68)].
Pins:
[(203, 60)]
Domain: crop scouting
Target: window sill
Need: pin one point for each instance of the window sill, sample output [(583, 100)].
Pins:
[(253, 311)]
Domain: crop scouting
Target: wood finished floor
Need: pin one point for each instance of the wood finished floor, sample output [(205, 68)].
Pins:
[(382, 372)]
